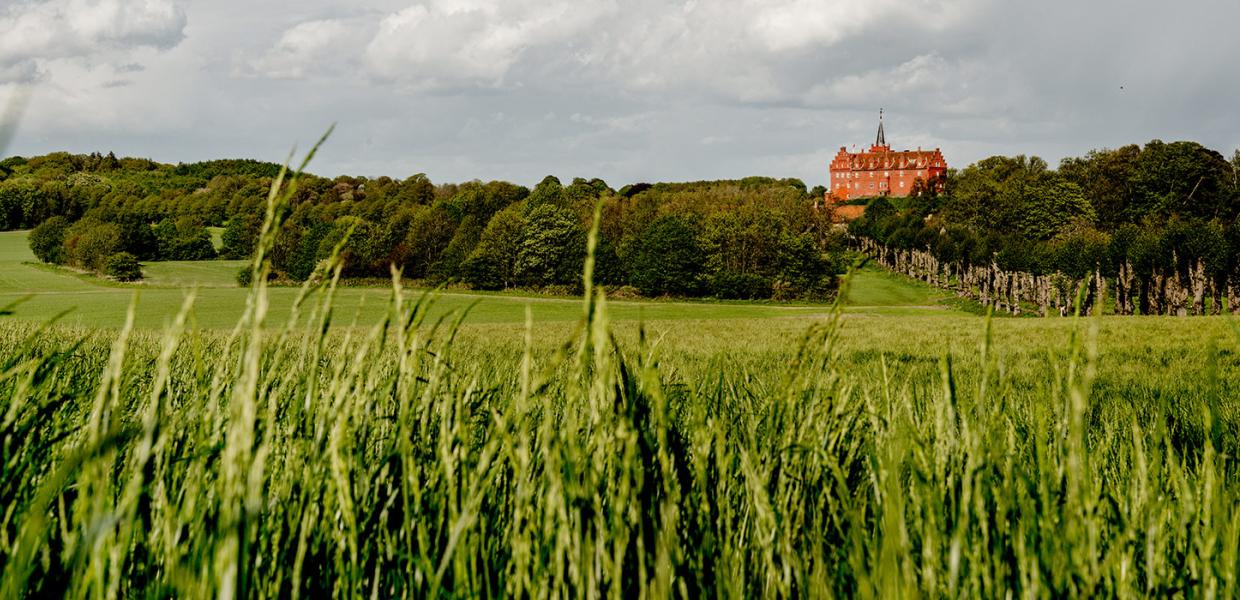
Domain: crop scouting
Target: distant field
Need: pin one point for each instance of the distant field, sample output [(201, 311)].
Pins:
[(91, 302)]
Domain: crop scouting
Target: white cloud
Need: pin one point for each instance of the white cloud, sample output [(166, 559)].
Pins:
[(453, 42), (324, 46), (32, 32)]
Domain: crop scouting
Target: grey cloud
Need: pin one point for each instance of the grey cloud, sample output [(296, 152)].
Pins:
[(34, 32), (650, 89)]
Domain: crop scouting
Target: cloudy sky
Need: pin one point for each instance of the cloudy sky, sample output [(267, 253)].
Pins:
[(632, 90)]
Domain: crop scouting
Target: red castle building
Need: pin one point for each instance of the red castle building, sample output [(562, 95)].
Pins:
[(884, 172)]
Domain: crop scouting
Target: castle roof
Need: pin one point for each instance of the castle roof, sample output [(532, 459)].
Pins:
[(888, 159)]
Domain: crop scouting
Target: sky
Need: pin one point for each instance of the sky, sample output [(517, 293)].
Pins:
[(640, 90)]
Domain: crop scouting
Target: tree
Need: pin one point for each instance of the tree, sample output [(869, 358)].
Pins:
[(552, 248), (665, 258), (137, 237), (184, 239), (1044, 205), (47, 241), (1182, 178), (493, 263), (459, 248), (240, 236), (123, 266), (803, 267), (1106, 177), (430, 232), (89, 242), (548, 191)]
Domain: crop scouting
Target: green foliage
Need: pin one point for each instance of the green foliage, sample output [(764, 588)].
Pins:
[(552, 247), (185, 239), (548, 191), (89, 242), (215, 168), (1182, 178), (430, 232), (123, 266), (138, 238), (665, 258), (493, 263), (47, 241), (240, 236)]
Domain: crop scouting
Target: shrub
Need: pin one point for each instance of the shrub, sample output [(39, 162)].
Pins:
[(245, 276), (123, 266), (89, 242), (47, 241), (729, 285)]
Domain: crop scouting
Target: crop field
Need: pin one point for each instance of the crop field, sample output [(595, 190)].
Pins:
[(225, 441)]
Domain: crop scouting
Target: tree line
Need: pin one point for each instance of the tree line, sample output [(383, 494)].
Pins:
[(744, 239), (1154, 226)]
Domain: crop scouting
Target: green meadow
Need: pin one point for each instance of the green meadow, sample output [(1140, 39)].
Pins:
[(355, 442), (86, 300)]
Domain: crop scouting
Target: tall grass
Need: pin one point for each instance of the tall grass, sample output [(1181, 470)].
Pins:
[(399, 461)]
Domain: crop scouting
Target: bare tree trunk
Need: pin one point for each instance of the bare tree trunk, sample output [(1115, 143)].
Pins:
[(1197, 278), (1233, 293)]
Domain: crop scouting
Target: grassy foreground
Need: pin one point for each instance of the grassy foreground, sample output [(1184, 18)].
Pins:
[(868, 456)]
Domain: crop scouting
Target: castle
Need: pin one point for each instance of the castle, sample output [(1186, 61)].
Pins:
[(884, 172)]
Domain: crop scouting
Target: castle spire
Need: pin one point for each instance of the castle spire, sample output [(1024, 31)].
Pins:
[(882, 138)]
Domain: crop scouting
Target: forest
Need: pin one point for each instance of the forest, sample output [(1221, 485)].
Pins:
[(751, 238), (1155, 226)]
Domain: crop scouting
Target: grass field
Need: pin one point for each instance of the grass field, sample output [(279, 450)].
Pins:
[(893, 448), (93, 302)]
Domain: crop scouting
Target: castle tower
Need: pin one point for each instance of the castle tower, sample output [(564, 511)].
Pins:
[(880, 142)]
